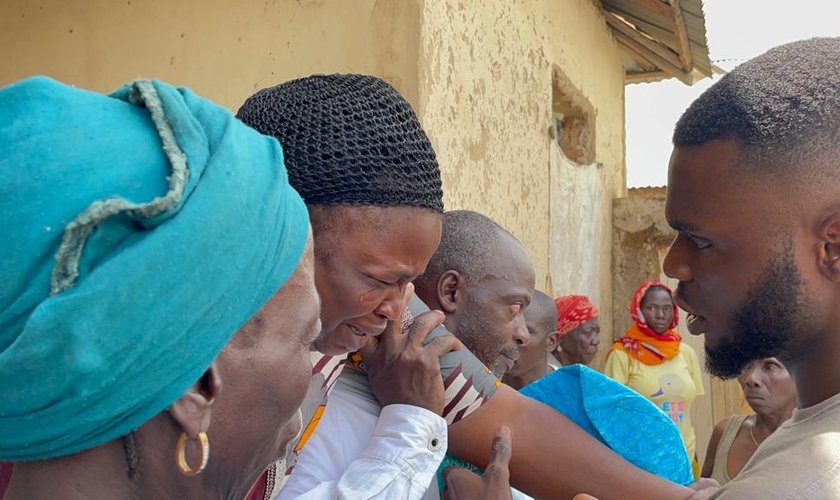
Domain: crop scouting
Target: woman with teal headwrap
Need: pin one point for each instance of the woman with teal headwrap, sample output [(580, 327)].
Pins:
[(130, 344)]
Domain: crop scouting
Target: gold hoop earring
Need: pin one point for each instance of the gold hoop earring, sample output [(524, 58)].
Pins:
[(181, 454)]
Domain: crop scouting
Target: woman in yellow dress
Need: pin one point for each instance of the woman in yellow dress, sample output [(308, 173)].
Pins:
[(652, 360)]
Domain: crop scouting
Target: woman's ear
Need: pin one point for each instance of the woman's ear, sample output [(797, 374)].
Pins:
[(450, 291), (192, 409)]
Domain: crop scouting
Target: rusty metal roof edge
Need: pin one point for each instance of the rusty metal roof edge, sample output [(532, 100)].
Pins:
[(648, 22)]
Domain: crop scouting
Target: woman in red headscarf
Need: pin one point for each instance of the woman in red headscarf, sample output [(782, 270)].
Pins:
[(578, 330), (652, 360)]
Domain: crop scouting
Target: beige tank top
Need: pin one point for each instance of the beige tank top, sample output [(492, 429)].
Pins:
[(719, 473)]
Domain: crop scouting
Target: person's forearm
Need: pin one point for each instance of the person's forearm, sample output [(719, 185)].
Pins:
[(553, 457)]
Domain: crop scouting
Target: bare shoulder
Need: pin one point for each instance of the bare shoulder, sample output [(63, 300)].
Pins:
[(711, 449), (722, 425)]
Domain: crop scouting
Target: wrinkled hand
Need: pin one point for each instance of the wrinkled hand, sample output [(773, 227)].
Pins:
[(462, 484), (401, 370)]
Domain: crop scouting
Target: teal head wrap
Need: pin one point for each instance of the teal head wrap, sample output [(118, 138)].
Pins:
[(138, 232)]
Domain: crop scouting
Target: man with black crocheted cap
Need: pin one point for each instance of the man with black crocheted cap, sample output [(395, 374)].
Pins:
[(368, 174), (358, 156)]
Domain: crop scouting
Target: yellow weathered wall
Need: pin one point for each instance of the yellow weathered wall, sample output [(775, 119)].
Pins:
[(485, 97), (478, 73), (224, 50)]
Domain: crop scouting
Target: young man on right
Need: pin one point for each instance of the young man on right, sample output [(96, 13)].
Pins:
[(754, 194)]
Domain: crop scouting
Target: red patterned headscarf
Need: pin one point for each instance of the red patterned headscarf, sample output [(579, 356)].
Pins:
[(573, 311), (640, 342)]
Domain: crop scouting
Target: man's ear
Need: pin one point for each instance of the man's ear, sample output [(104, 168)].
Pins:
[(829, 252), (450, 291), (561, 340), (192, 410), (552, 341)]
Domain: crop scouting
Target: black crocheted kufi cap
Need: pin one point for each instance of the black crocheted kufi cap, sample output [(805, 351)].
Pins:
[(348, 139)]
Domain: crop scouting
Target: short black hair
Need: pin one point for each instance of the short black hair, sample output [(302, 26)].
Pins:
[(782, 108), (466, 243), (348, 140)]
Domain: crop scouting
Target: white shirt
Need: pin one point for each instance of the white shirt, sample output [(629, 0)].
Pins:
[(360, 452), (356, 452), (353, 454)]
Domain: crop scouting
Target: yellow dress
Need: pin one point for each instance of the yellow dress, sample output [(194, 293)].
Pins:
[(672, 385)]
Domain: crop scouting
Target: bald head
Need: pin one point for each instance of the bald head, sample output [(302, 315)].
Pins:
[(482, 278)]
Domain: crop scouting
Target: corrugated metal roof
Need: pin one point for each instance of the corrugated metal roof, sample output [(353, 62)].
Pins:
[(656, 21)]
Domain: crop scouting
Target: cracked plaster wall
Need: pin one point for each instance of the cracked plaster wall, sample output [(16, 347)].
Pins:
[(479, 75), (485, 96), (224, 51)]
